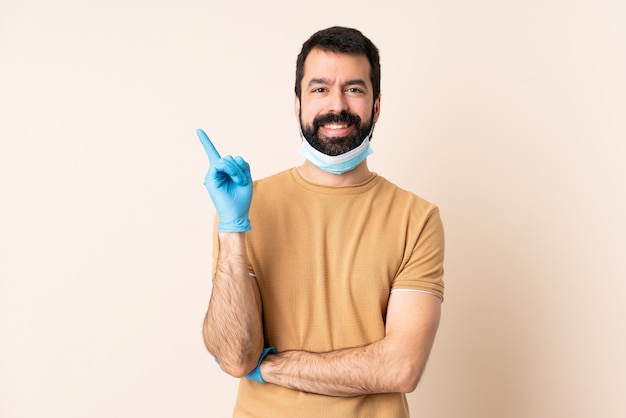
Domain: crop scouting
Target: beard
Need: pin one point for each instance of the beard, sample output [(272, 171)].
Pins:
[(335, 145)]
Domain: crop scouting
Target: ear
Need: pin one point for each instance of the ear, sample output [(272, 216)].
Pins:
[(377, 108), (296, 107)]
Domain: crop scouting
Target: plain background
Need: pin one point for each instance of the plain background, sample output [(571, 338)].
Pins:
[(510, 115)]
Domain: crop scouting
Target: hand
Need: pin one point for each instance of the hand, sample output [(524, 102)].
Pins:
[(230, 186), (256, 373)]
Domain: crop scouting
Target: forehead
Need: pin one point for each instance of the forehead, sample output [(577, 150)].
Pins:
[(320, 64)]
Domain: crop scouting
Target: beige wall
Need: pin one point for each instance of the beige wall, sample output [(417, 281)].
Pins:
[(508, 114)]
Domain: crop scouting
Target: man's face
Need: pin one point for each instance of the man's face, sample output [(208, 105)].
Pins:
[(337, 107)]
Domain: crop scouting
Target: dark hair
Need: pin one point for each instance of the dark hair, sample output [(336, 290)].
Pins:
[(345, 41)]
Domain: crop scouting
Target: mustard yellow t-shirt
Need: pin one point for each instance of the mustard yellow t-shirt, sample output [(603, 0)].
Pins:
[(326, 260)]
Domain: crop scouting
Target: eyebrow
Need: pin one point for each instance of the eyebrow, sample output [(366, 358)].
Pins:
[(356, 81)]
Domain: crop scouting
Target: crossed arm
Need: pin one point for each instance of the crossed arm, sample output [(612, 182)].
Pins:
[(233, 334), (392, 364)]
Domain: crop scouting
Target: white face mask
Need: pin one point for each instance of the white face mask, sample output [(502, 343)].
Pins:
[(335, 164)]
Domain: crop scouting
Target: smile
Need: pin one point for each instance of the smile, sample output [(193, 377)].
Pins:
[(336, 126)]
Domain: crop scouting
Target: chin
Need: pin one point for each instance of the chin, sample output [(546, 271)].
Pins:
[(335, 147)]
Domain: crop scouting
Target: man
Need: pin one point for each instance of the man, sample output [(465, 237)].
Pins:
[(327, 283)]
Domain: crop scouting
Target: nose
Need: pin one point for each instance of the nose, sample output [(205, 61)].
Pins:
[(338, 102)]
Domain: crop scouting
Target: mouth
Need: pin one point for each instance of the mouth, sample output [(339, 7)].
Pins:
[(336, 129)]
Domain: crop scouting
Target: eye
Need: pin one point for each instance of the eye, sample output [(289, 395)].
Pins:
[(355, 90), (318, 90)]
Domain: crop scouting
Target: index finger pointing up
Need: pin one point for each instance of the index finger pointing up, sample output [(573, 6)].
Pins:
[(209, 148)]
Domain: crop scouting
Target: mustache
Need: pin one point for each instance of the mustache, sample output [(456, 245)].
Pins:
[(343, 117)]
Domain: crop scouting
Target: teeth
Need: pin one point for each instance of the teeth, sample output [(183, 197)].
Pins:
[(336, 126)]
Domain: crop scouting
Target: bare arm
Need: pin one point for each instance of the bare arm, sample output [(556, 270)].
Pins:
[(393, 364), (232, 330)]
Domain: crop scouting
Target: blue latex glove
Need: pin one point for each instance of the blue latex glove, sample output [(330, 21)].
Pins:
[(230, 186), (256, 373)]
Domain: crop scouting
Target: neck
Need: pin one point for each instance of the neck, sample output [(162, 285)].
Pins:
[(315, 175)]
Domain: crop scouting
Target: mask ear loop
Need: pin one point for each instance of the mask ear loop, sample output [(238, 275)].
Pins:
[(300, 121), (369, 135)]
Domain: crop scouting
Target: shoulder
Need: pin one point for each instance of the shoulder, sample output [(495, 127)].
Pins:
[(275, 188), (403, 199), (278, 180)]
